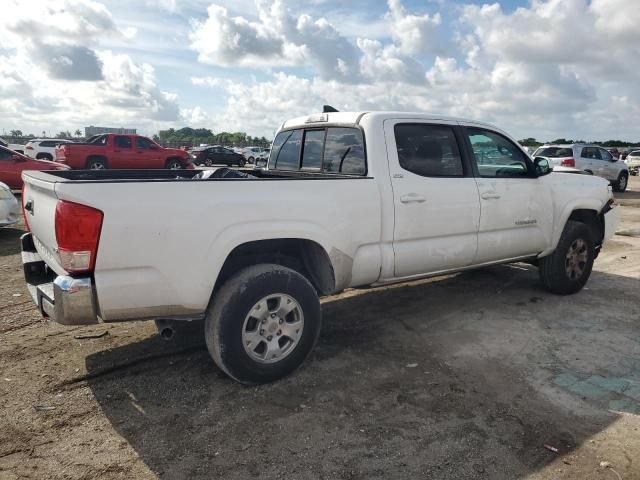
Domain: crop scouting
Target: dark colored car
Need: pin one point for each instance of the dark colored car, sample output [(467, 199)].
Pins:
[(217, 156)]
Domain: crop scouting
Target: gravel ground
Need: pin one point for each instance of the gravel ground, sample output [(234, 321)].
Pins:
[(466, 376)]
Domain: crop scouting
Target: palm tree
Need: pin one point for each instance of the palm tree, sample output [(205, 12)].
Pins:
[(78, 133)]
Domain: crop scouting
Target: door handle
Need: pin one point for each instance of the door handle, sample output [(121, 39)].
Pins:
[(490, 196), (412, 198)]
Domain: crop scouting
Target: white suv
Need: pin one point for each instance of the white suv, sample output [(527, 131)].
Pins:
[(254, 153), (633, 161), (43, 148), (589, 158)]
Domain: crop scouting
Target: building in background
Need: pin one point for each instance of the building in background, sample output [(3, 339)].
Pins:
[(91, 131)]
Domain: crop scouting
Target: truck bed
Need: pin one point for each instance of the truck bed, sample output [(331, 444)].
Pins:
[(149, 175)]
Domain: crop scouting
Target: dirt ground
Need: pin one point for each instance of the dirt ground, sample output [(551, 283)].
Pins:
[(466, 376)]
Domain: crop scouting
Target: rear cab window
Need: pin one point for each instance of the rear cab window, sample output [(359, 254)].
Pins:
[(338, 150)]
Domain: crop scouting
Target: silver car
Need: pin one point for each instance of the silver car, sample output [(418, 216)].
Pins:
[(589, 158)]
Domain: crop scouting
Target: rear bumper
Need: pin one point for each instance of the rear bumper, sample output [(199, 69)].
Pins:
[(63, 299)]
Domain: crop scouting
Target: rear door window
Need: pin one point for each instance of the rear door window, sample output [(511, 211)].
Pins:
[(122, 142), (428, 150)]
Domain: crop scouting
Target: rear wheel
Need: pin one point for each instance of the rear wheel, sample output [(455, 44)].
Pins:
[(568, 268), (209, 162), (620, 185), (44, 156), (96, 164), (263, 323)]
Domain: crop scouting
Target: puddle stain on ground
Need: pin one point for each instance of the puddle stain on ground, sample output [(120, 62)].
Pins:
[(622, 393)]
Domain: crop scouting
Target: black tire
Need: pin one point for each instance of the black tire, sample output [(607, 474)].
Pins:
[(242, 163), (96, 164), (554, 269), (44, 156), (251, 160), (174, 164), (229, 311), (589, 172), (620, 185), (208, 163)]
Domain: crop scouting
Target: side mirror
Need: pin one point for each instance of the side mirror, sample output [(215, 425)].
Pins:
[(542, 166), (261, 163)]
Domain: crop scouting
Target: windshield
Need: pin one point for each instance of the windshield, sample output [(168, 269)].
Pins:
[(554, 152)]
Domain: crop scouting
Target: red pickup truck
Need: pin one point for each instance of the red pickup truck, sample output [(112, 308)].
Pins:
[(121, 151)]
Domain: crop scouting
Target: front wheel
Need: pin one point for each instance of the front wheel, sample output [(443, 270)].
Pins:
[(263, 323), (174, 165), (620, 185), (568, 268), (96, 164)]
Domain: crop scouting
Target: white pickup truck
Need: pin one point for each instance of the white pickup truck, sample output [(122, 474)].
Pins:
[(347, 200)]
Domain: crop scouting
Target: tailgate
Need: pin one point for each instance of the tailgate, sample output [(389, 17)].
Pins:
[(40, 200), (62, 152)]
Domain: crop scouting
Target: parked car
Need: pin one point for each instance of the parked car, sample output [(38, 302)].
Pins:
[(9, 207), (43, 148), (16, 147), (121, 152), (335, 212), (12, 164), (590, 158), (633, 162), (217, 155), (254, 153)]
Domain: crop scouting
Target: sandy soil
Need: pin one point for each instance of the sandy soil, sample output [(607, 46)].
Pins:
[(467, 376)]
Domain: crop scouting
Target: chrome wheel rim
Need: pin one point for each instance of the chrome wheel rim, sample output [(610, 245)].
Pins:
[(576, 260), (272, 329), (97, 166), (175, 166), (623, 182)]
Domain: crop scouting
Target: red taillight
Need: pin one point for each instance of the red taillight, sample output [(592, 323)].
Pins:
[(29, 147), (77, 233), (24, 213), (568, 162)]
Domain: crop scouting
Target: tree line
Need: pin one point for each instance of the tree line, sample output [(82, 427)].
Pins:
[(195, 136)]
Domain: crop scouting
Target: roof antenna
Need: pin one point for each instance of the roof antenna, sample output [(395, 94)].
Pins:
[(329, 109)]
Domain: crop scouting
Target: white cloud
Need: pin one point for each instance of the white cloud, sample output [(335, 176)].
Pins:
[(194, 117), (414, 33), (55, 75)]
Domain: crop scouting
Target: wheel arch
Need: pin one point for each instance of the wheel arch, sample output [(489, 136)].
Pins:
[(588, 212), (305, 256)]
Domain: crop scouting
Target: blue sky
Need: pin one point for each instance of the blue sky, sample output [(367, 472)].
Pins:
[(542, 68)]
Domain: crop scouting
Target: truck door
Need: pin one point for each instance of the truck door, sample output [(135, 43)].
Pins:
[(436, 204), (147, 154), (122, 155), (516, 209)]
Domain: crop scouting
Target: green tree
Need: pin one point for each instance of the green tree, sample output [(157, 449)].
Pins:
[(528, 142), (78, 133)]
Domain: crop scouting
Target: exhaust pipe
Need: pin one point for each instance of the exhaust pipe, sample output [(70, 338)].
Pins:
[(167, 333)]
